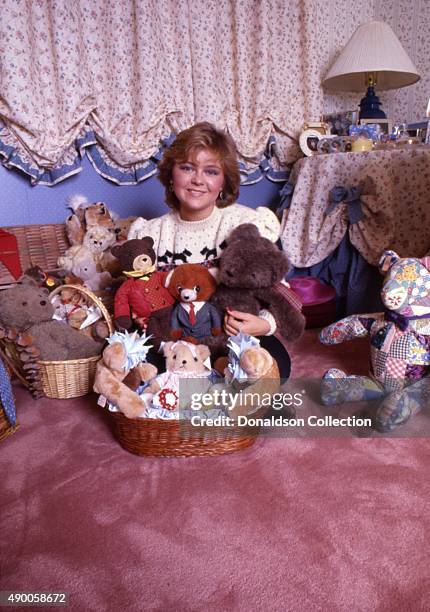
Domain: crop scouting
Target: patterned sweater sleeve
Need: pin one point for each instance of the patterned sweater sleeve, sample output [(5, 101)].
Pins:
[(264, 219)]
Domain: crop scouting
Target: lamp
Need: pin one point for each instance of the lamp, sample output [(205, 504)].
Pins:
[(373, 55)]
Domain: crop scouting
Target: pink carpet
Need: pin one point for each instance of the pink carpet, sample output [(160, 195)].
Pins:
[(291, 524)]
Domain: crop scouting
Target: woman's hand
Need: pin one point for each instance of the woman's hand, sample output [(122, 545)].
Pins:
[(236, 321)]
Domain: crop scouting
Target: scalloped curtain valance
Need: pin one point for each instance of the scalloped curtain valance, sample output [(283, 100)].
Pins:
[(117, 79)]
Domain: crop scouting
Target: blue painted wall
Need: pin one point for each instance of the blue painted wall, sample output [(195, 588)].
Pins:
[(23, 204)]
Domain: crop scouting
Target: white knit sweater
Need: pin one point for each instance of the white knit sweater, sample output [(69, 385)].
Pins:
[(177, 241)]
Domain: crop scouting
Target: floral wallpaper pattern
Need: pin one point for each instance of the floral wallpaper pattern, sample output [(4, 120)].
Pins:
[(115, 79)]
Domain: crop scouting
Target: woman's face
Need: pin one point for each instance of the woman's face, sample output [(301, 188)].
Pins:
[(197, 183)]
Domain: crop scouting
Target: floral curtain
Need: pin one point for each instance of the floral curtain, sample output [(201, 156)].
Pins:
[(118, 78)]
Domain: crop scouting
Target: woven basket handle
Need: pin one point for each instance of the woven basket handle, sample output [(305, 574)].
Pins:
[(89, 294)]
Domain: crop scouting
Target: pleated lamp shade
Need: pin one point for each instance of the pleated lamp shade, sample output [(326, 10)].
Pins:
[(373, 48)]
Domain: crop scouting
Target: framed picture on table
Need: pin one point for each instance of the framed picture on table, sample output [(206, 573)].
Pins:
[(386, 125)]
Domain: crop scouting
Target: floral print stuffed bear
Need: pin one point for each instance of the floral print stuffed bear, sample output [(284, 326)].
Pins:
[(399, 345)]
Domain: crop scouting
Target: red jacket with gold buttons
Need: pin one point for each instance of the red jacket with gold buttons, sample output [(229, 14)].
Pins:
[(142, 297)]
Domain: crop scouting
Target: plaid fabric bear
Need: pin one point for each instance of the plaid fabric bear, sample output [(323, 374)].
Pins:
[(399, 345)]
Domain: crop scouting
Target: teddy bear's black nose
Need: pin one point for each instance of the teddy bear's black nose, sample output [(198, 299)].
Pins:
[(184, 361), (43, 303)]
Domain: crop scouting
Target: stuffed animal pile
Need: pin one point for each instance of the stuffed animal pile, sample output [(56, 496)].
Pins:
[(188, 370), (92, 230), (399, 345)]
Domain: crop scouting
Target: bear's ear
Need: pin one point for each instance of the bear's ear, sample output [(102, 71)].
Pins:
[(116, 251), (203, 352), (148, 242), (168, 278), (167, 348), (388, 258), (246, 231)]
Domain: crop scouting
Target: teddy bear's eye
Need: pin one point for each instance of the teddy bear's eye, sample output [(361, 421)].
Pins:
[(195, 359), (174, 356), (197, 288), (24, 303), (179, 288)]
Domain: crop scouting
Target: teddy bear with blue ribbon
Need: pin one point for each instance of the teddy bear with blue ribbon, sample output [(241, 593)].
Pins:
[(399, 346)]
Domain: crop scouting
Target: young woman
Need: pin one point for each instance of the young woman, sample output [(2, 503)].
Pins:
[(201, 177)]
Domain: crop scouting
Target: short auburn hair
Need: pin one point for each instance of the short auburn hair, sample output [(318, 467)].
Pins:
[(188, 142)]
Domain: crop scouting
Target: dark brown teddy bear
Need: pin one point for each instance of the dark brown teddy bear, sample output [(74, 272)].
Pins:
[(27, 308), (250, 267)]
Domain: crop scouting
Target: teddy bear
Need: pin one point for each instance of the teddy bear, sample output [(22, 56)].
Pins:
[(399, 345), (250, 270), (99, 240), (27, 308), (143, 293), (121, 370), (250, 369), (79, 261), (193, 317), (167, 392)]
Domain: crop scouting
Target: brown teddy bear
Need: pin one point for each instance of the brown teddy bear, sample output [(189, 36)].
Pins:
[(27, 308), (143, 293), (250, 267), (116, 381), (193, 318)]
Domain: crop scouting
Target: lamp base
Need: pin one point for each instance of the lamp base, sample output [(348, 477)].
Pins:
[(369, 106)]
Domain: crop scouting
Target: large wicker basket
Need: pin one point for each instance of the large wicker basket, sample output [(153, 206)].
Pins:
[(54, 379), (72, 378), (159, 438)]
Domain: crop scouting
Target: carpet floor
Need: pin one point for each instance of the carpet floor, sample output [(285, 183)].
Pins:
[(297, 522)]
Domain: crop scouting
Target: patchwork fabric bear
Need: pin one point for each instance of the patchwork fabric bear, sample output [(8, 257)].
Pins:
[(399, 345)]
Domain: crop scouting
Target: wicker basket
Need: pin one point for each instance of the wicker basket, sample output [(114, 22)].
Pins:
[(159, 438), (179, 438), (75, 377), (37, 245)]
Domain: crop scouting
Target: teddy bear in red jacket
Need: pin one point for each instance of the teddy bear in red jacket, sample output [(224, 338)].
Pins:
[(143, 293)]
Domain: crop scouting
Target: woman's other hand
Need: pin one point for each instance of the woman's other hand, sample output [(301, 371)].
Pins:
[(236, 321)]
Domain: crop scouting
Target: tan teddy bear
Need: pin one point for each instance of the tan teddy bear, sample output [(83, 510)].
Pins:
[(262, 379), (184, 361), (117, 382)]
